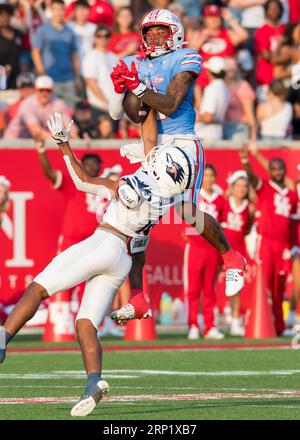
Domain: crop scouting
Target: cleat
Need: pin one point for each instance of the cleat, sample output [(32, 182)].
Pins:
[(137, 308), (236, 328), (235, 280), (88, 402), (214, 334), (194, 333)]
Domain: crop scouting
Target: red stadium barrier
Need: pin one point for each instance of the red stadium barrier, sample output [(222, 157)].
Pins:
[(29, 232)]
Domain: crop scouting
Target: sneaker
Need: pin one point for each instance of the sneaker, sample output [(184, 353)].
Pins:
[(88, 402), (193, 333), (235, 276), (137, 308), (236, 328), (215, 334)]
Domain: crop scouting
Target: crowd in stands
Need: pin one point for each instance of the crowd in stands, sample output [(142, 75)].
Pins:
[(57, 56)]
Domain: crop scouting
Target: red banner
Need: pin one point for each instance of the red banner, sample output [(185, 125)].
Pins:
[(29, 232)]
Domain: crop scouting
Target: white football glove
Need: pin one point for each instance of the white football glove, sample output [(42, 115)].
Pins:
[(59, 132)]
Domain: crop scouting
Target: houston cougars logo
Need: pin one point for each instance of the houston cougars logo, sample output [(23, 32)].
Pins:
[(174, 169)]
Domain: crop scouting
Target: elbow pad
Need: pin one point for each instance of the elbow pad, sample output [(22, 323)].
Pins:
[(115, 106), (98, 190)]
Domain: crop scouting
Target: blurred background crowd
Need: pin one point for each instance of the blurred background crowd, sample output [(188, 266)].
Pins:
[(248, 89)]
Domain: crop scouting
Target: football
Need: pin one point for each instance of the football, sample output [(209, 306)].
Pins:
[(135, 109)]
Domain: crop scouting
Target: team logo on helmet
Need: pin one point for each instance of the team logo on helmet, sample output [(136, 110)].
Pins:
[(174, 170)]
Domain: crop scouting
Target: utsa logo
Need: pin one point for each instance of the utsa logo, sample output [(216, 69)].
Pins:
[(174, 169)]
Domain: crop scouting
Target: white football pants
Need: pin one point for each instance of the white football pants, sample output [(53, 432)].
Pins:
[(102, 261)]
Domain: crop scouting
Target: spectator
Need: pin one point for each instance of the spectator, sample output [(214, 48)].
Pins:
[(201, 262), (128, 130), (277, 227), (101, 12), (266, 42), (214, 39), (237, 221), (275, 115), (25, 86), (83, 119), (125, 39), (31, 118), (105, 127), (288, 54), (97, 66), (54, 53), (294, 11), (240, 115), (4, 197), (293, 98), (11, 41), (31, 16), (82, 28), (214, 103)]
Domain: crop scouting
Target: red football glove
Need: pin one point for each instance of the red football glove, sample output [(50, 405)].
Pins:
[(132, 81), (118, 82)]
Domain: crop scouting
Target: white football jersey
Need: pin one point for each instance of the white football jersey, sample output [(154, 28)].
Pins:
[(139, 221)]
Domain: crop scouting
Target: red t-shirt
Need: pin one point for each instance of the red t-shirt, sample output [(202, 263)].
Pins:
[(218, 45), (101, 12), (119, 42), (235, 221), (294, 8), (266, 38), (79, 218), (212, 204), (276, 206)]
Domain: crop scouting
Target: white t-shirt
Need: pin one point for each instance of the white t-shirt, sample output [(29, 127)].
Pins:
[(98, 65), (84, 37), (278, 124), (214, 101)]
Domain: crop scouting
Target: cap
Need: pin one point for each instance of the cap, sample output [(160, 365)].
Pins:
[(211, 10), (25, 79), (44, 82), (83, 104), (215, 65), (239, 174)]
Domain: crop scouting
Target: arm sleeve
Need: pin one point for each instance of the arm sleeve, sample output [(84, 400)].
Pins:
[(98, 190), (115, 106)]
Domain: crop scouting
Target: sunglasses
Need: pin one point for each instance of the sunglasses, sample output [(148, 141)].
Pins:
[(45, 90), (103, 36)]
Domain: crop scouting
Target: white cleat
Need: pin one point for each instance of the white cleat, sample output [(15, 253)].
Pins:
[(194, 333), (236, 328), (214, 334), (235, 281), (87, 403)]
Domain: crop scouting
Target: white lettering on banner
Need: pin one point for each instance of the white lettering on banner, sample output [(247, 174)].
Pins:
[(168, 275), (282, 205), (15, 280), (16, 230), (12, 281)]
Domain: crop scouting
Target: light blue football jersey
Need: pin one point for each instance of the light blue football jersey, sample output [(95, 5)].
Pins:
[(157, 74)]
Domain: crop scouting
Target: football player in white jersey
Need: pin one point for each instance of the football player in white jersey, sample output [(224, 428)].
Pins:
[(102, 260), (163, 78)]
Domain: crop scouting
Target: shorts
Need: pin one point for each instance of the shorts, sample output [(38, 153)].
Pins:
[(102, 261)]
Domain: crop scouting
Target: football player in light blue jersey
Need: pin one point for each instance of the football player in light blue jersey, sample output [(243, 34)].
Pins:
[(163, 76)]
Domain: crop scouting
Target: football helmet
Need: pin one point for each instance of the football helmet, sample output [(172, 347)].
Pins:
[(162, 17), (172, 168)]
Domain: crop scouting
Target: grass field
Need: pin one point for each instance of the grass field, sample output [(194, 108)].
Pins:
[(166, 384)]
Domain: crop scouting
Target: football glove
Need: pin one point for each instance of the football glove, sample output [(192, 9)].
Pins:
[(59, 132)]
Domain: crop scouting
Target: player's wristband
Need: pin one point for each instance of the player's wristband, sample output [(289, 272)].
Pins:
[(244, 161), (41, 150), (139, 90)]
